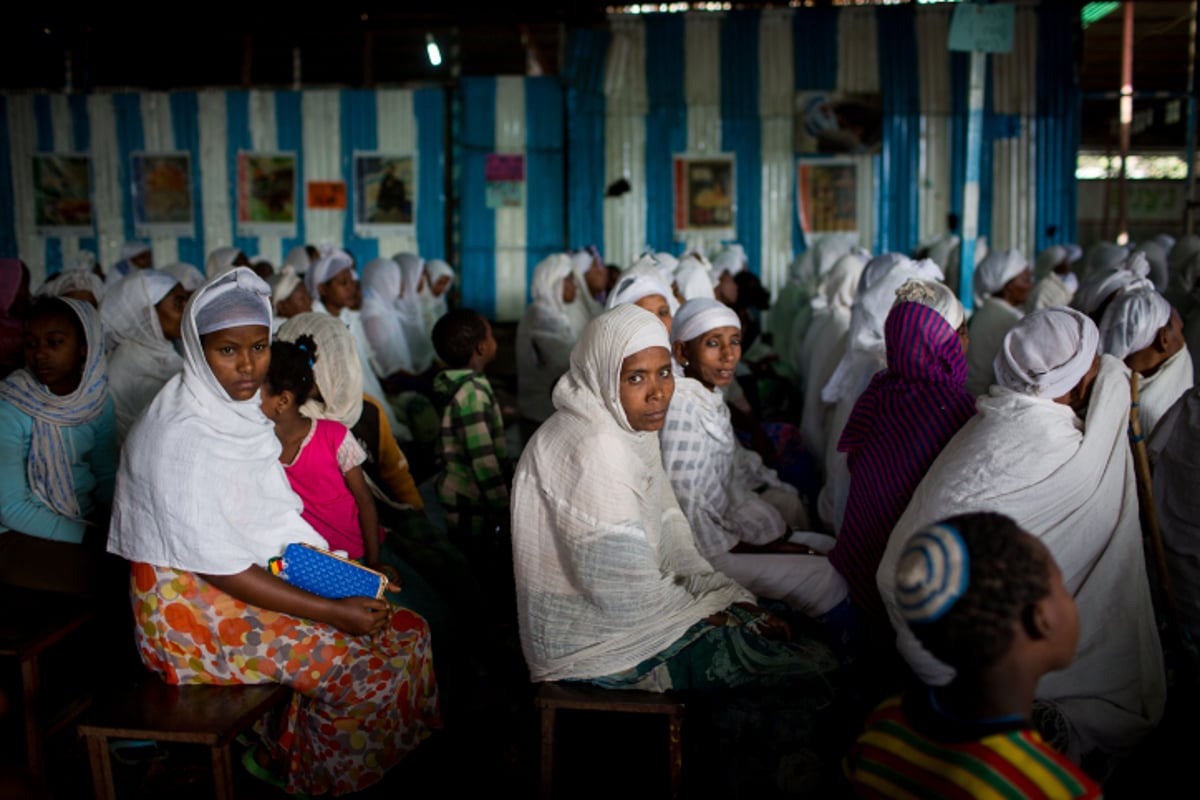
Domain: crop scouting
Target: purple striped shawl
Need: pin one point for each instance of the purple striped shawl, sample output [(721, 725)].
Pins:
[(899, 425)]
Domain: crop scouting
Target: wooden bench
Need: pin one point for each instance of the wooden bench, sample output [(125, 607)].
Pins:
[(213, 716), (554, 697), (31, 624)]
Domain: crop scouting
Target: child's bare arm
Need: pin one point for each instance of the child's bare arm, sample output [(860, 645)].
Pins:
[(368, 515)]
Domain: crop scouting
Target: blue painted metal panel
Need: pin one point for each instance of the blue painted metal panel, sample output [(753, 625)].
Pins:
[(429, 107), (185, 124), (237, 128), (289, 136), (544, 192), (477, 221), (816, 48), (666, 126), (1057, 132), (741, 125), (898, 202), (130, 138), (587, 54), (359, 131), (81, 136)]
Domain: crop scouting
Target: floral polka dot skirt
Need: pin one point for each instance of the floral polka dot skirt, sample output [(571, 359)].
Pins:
[(360, 702)]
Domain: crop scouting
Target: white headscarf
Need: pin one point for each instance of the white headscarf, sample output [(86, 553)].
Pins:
[(284, 282), (73, 280), (411, 313), (133, 250), (129, 313), (220, 261), (666, 264), (698, 317), (998, 269), (49, 462), (1132, 320), (1155, 252), (297, 258), (840, 285), (326, 269), (382, 307), (1048, 259), (693, 278), (200, 487), (1047, 353), (1099, 285), (188, 276), (546, 291), (633, 287), (337, 370), (879, 266), (732, 260)]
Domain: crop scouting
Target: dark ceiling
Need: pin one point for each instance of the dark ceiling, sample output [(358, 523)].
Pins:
[(364, 45)]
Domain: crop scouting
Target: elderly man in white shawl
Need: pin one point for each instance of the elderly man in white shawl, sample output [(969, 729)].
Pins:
[(1003, 282), (1068, 480), (1141, 329)]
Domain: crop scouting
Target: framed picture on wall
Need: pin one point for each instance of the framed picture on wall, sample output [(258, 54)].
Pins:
[(266, 193), (385, 194), (705, 196), (162, 194), (827, 195), (62, 194)]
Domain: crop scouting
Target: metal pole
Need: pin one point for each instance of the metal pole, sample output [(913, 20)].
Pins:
[(970, 220), (1126, 120)]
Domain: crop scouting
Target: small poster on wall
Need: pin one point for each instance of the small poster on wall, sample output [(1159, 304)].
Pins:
[(266, 193), (827, 195), (162, 194), (705, 196), (505, 176), (384, 194), (329, 195), (62, 195)]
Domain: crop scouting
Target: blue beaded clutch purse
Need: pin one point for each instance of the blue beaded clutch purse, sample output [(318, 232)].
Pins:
[(323, 573)]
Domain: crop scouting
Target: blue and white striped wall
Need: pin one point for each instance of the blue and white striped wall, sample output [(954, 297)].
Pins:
[(323, 127)]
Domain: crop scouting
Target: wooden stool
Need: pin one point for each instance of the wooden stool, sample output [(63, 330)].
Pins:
[(32, 622), (554, 697), (208, 715)]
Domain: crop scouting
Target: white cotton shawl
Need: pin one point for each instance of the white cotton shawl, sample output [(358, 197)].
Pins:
[(713, 476), (545, 337), (381, 310), (996, 270), (606, 570), (992, 321), (188, 276), (632, 287), (411, 313), (1073, 487), (1050, 291), (1132, 321), (337, 371), (144, 359), (692, 277), (220, 262), (1175, 451), (200, 487), (434, 307), (586, 307), (1098, 286), (73, 280), (829, 306), (1160, 390)]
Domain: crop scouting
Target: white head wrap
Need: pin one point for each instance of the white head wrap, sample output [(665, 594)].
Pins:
[(1048, 259), (1132, 320), (240, 302), (998, 269), (220, 261), (133, 250), (129, 313), (839, 287), (827, 250), (693, 278), (1047, 353), (73, 280), (1102, 255), (437, 269), (84, 259), (188, 276), (546, 285), (934, 294), (1156, 258), (382, 283), (327, 268), (879, 266), (411, 312), (633, 287), (666, 264), (698, 317), (297, 258), (934, 570), (283, 283), (732, 260), (337, 371), (1098, 286)]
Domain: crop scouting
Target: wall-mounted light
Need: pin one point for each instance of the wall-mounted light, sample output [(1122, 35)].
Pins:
[(431, 47)]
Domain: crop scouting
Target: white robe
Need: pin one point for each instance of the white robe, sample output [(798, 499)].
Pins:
[(989, 325), (1049, 291), (1073, 487), (1159, 391), (715, 479), (1175, 450), (606, 570)]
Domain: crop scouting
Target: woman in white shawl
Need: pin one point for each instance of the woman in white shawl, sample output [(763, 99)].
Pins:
[(1056, 284), (410, 311), (642, 287), (545, 336), (78, 284), (1003, 282), (201, 505), (1069, 481), (866, 354), (439, 278), (742, 515), (142, 314), (693, 277), (1141, 329), (610, 586)]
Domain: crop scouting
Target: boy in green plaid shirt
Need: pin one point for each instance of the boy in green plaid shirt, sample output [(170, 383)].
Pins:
[(473, 486)]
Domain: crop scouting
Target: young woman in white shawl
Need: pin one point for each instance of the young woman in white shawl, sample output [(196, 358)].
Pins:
[(1048, 446), (201, 505), (142, 316), (1003, 282), (741, 514), (642, 286), (1140, 328), (610, 586), (545, 336), (435, 291)]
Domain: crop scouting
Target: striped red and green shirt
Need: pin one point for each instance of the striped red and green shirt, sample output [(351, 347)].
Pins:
[(910, 750)]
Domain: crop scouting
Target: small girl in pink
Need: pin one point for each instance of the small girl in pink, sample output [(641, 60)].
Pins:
[(321, 458)]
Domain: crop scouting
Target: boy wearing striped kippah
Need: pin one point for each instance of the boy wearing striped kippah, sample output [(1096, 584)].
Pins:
[(988, 599)]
